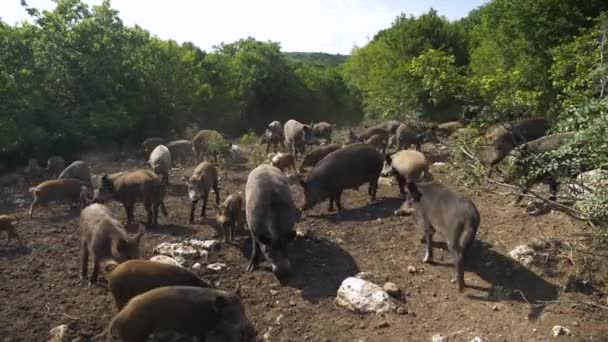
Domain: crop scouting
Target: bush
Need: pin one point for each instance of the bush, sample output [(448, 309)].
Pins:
[(249, 138)]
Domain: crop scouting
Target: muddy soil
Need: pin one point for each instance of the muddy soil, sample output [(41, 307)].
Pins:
[(505, 301)]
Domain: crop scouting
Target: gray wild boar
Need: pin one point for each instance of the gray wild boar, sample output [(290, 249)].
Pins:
[(13, 180), (54, 165), (230, 215), (130, 187), (405, 137), (284, 161), (134, 277), (150, 144), (208, 314), (296, 135), (322, 130), (271, 216), (380, 141), (203, 179), (406, 166), (346, 168), (7, 224), (58, 190), (540, 145), (354, 138), (274, 136), (181, 152), (312, 158), (205, 143), (77, 170), (453, 215), (104, 237), (448, 128), (160, 162), (505, 139)]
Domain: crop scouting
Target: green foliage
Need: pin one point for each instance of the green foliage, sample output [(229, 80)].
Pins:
[(249, 138), (595, 206), (317, 58)]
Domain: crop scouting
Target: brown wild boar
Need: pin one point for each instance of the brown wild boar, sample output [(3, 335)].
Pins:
[(296, 135), (313, 157), (150, 144), (205, 144), (77, 170), (322, 130), (54, 165), (346, 168), (274, 136), (7, 224), (271, 216), (453, 215), (181, 152), (134, 277), (284, 161), (378, 140), (203, 179), (230, 215), (406, 166), (104, 237), (130, 187), (354, 138), (205, 313), (160, 162), (67, 190)]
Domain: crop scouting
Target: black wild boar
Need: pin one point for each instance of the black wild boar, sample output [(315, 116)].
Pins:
[(193, 311), (405, 137), (296, 136), (66, 190), (134, 277), (203, 179), (7, 224), (150, 144), (322, 130), (230, 215), (453, 215), (130, 187), (378, 140), (271, 215), (346, 168), (104, 237), (312, 158)]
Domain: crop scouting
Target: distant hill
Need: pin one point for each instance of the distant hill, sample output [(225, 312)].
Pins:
[(317, 57)]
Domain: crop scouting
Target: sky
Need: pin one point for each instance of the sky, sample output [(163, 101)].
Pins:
[(332, 26)]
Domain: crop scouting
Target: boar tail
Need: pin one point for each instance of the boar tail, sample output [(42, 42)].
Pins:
[(466, 239)]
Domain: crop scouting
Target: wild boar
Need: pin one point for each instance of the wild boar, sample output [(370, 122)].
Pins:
[(150, 144), (540, 145), (454, 215), (313, 157), (206, 143), (230, 215), (447, 128), (54, 165), (406, 166), (274, 136), (296, 136), (284, 161), (380, 141), (130, 187), (7, 224), (160, 162), (405, 137), (504, 139), (190, 310), (203, 179), (77, 170), (33, 170), (271, 216), (354, 138), (104, 237), (346, 168), (12, 180), (134, 277), (181, 152), (322, 130), (67, 190)]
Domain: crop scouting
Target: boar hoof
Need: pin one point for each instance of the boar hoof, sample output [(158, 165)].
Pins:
[(90, 284)]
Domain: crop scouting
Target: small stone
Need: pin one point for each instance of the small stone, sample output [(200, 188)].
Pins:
[(278, 320), (197, 266), (559, 330), (411, 269), (218, 266), (477, 339), (205, 244), (361, 296), (273, 292), (391, 289), (439, 338), (163, 259), (383, 324), (60, 333), (575, 324), (495, 308), (401, 310), (292, 303), (267, 337), (534, 330)]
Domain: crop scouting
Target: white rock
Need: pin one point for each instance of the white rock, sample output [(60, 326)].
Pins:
[(558, 330), (163, 259), (186, 252), (439, 338), (361, 296), (385, 181), (438, 164), (178, 250), (524, 254), (60, 333), (478, 339), (590, 180), (218, 266), (197, 266), (203, 244), (165, 248)]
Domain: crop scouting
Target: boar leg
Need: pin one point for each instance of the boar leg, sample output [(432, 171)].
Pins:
[(129, 210), (428, 237), (553, 188), (204, 207), (255, 254), (95, 272), (338, 200), (216, 190), (458, 261), (33, 205), (373, 189), (84, 259), (401, 181), (192, 209)]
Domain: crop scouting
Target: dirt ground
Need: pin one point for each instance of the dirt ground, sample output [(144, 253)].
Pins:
[(40, 286)]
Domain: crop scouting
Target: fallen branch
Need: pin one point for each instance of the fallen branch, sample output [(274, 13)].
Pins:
[(49, 313), (571, 302)]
